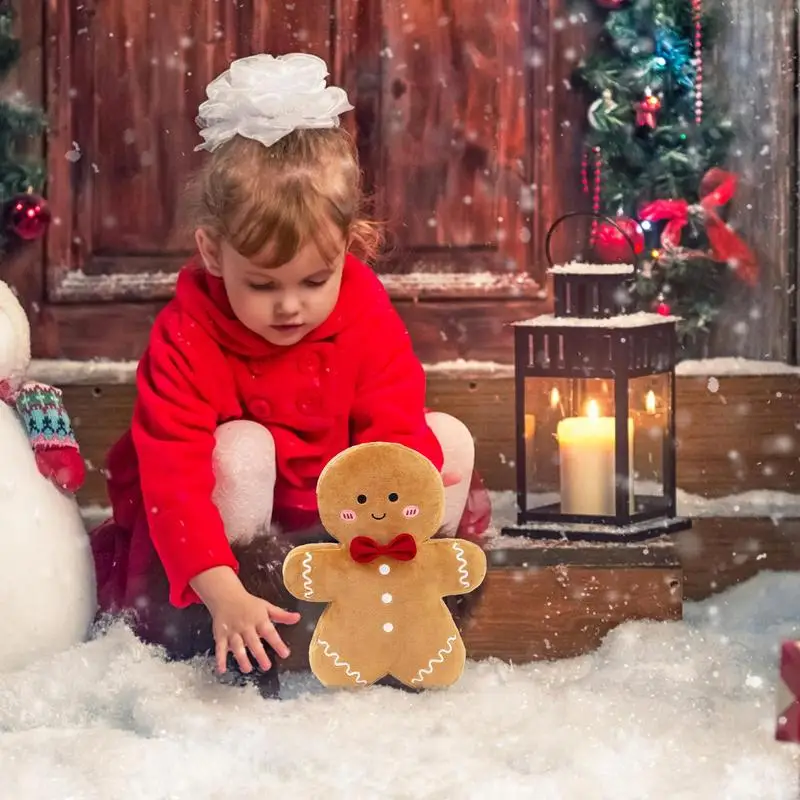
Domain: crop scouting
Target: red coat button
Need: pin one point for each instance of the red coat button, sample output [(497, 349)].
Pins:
[(260, 408), (309, 363)]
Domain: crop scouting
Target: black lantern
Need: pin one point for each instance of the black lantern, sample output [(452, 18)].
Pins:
[(595, 411)]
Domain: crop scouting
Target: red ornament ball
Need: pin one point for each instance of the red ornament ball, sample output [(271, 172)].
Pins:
[(651, 103), (28, 216), (610, 5), (663, 309), (612, 247)]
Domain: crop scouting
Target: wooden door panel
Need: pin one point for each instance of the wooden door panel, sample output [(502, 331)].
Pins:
[(125, 81), (477, 330), (455, 141), (443, 109)]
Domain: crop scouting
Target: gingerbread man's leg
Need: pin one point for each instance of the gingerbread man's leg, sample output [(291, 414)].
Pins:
[(437, 656), (341, 655)]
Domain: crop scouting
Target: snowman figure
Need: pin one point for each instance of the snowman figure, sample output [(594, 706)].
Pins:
[(48, 595)]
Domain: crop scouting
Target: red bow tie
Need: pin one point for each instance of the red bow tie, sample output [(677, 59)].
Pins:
[(364, 549)]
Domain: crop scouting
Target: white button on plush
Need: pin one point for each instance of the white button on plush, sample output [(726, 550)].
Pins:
[(388, 627), (384, 569), (386, 598)]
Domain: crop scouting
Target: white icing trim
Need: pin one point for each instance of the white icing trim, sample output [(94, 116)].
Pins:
[(437, 659), (308, 591), (337, 662), (463, 572)]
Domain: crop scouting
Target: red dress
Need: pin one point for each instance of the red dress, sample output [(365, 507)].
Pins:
[(353, 379)]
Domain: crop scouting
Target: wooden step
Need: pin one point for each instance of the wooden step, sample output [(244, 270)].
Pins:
[(551, 602), (735, 433)]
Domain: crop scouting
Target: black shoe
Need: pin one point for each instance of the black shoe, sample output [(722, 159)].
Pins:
[(268, 683), (393, 683)]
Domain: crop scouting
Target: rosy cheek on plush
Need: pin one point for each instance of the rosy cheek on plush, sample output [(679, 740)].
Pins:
[(410, 511), (348, 516)]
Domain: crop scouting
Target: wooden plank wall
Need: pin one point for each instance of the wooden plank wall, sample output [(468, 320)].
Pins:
[(739, 437), (754, 65)]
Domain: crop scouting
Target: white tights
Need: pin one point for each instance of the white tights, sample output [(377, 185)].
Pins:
[(244, 466)]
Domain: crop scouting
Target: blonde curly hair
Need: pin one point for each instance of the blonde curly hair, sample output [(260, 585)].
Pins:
[(276, 199)]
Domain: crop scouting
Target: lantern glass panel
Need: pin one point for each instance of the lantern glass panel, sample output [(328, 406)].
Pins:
[(570, 455), (650, 403)]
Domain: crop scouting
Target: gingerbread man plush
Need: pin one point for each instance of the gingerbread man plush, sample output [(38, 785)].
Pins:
[(385, 579)]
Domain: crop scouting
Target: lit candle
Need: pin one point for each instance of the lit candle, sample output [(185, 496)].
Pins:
[(649, 445), (530, 450), (586, 455), (530, 422), (530, 427), (650, 424)]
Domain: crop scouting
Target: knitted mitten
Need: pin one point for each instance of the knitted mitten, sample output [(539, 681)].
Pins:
[(50, 431)]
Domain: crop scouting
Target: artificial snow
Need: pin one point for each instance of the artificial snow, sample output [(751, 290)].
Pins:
[(755, 503), (720, 367), (636, 320), (769, 503), (735, 366), (677, 710), (66, 372), (581, 268), (462, 367), (442, 281)]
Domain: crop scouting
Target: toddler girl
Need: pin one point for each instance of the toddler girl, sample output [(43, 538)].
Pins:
[(279, 350)]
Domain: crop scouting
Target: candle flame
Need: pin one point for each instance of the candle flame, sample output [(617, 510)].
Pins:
[(555, 397), (592, 409), (650, 402)]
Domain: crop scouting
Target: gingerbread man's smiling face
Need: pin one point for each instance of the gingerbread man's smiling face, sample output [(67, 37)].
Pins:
[(380, 490)]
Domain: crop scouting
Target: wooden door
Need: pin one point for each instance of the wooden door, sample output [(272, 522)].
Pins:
[(454, 125)]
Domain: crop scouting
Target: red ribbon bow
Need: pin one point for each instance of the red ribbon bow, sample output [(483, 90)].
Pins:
[(364, 549), (788, 724), (716, 189)]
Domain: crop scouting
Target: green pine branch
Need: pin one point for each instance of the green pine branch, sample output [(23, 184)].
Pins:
[(647, 47), (20, 123), (9, 44)]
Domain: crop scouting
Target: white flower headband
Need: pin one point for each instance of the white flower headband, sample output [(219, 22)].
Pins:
[(265, 98)]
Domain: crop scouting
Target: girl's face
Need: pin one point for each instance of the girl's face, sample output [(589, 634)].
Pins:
[(281, 304)]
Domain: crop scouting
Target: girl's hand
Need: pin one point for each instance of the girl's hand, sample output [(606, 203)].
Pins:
[(451, 478), (241, 623), (240, 619)]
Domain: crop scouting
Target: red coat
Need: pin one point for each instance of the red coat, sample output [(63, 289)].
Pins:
[(354, 379)]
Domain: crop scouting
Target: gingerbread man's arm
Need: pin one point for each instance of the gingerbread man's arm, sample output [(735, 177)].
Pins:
[(456, 565), (311, 572)]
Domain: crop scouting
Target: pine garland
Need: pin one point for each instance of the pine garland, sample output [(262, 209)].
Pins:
[(20, 123), (648, 46)]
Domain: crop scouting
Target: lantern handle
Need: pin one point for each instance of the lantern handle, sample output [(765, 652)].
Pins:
[(568, 215)]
